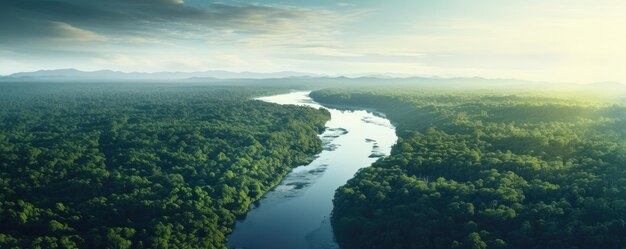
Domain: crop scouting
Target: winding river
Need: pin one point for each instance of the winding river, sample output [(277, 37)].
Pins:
[(296, 214)]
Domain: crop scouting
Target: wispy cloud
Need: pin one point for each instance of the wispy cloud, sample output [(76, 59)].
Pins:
[(64, 31), (161, 18), (573, 40), (146, 33)]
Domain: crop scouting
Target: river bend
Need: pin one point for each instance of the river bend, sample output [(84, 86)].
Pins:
[(296, 214)]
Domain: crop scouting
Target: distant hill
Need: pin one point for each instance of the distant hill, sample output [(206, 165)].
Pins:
[(302, 80), (106, 75), (608, 84)]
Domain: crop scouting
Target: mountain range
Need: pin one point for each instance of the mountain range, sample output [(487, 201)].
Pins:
[(285, 77), (108, 75)]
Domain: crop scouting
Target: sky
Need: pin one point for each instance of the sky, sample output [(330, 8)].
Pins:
[(547, 40)]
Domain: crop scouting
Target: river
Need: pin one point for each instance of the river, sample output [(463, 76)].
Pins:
[(296, 214)]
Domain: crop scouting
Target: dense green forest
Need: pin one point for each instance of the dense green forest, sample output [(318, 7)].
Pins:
[(140, 166), (488, 170)]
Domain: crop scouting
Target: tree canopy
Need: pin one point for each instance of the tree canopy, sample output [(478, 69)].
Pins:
[(496, 170), (152, 166)]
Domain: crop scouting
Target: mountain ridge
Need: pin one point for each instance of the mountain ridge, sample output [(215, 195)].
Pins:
[(73, 75)]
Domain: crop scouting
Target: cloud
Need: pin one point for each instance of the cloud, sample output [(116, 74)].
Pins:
[(154, 35), (152, 18), (65, 31)]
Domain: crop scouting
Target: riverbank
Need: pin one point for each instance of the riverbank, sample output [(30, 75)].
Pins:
[(296, 213)]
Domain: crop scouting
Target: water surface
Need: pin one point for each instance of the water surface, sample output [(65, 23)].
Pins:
[(296, 214)]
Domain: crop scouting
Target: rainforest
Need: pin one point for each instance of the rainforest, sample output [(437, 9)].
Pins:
[(300, 124), (125, 167), (487, 170), (144, 165)]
